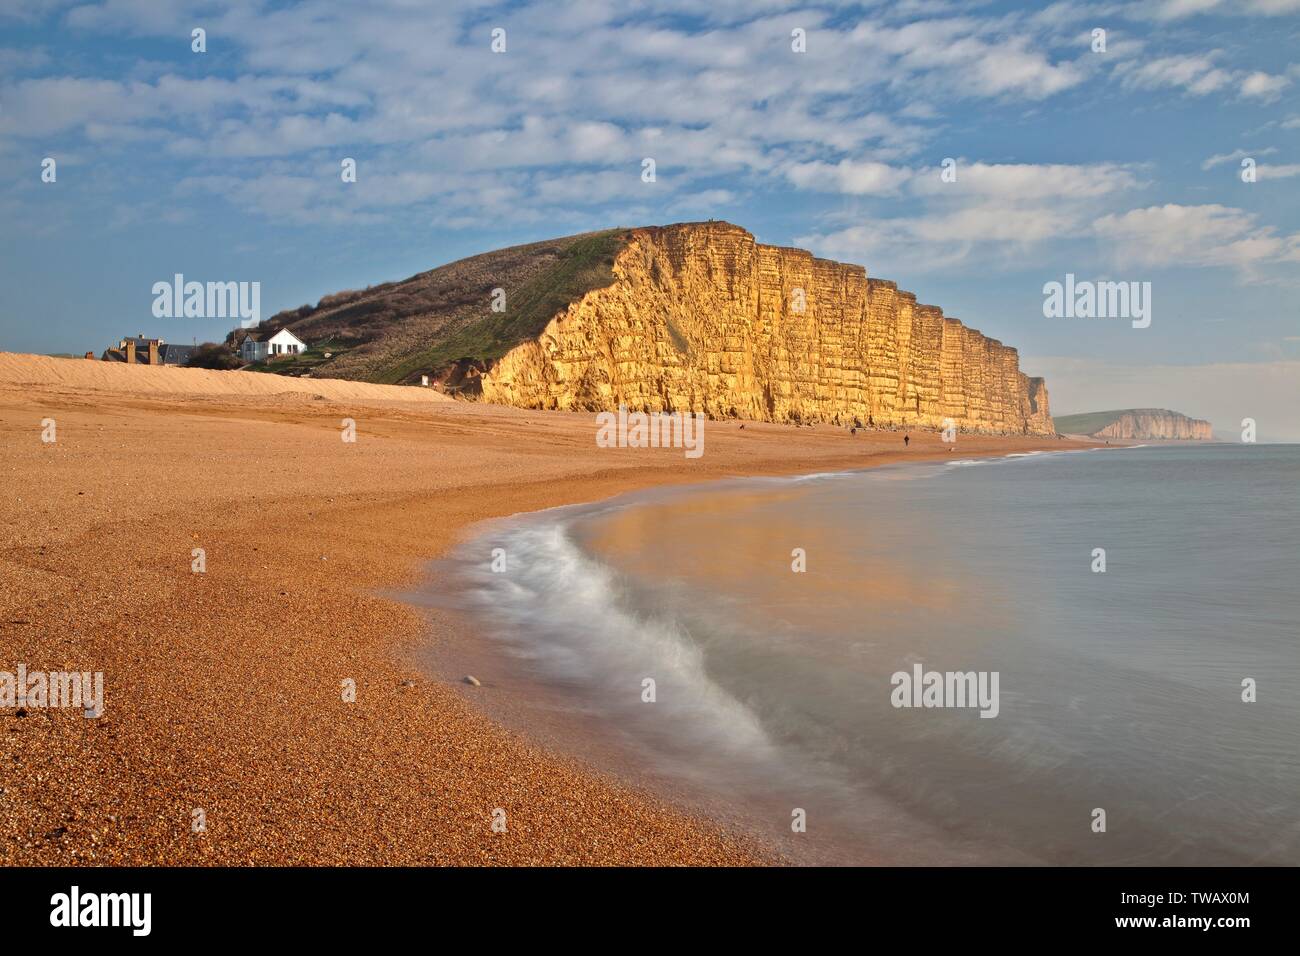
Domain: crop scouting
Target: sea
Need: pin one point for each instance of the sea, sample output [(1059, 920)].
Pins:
[(747, 649)]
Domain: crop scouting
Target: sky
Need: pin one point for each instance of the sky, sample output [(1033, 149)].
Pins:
[(820, 125)]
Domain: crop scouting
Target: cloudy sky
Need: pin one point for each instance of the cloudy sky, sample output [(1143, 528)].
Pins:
[(1119, 165)]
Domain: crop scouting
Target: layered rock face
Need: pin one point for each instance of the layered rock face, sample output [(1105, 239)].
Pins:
[(1156, 424), (701, 318)]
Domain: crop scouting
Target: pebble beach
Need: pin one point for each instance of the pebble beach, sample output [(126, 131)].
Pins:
[(226, 736)]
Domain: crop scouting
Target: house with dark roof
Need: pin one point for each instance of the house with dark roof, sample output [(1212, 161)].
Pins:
[(176, 354), (138, 350)]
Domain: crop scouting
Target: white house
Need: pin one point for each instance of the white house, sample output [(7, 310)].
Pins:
[(256, 349)]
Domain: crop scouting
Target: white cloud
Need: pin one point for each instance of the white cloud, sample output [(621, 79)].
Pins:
[(941, 240), (1009, 182), (964, 57), (1265, 172), (1177, 9), (1021, 182), (31, 11), (1197, 74), (585, 91), (1220, 159), (1273, 8), (36, 108), (1264, 86), (599, 187), (992, 213), (847, 176), (1180, 9), (1189, 236)]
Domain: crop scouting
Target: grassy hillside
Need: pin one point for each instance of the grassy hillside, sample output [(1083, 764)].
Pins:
[(582, 266), (431, 322), (1087, 423)]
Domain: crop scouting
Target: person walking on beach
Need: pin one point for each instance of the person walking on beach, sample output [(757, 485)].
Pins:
[(906, 439)]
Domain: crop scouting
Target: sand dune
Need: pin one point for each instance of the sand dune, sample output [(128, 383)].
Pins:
[(89, 375)]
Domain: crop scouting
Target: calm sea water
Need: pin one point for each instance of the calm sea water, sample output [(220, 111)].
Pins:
[(1119, 691)]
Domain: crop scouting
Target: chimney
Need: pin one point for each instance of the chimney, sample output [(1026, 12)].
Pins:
[(153, 352), (130, 351)]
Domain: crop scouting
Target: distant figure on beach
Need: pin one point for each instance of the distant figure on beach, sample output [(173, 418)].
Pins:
[(871, 422), (853, 431), (906, 439)]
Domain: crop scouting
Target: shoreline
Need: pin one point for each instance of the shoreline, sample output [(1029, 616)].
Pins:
[(553, 715), (223, 688)]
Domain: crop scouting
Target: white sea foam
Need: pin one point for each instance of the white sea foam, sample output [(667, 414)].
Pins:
[(576, 618)]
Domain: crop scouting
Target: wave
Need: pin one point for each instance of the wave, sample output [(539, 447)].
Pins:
[(822, 476), (583, 628), (583, 624)]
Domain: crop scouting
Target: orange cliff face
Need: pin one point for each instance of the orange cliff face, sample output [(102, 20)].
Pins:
[(701, 318)]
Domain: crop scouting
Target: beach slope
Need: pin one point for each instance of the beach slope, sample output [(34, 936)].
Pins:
[(225, 689)]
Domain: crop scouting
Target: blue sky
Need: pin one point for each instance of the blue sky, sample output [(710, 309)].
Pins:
[(1120, 165)]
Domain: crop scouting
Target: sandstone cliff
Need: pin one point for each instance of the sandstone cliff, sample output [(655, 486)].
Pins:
[(700, 317), (1148, 424)]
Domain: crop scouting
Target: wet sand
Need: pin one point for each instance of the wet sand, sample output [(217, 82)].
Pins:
[(224, 689)]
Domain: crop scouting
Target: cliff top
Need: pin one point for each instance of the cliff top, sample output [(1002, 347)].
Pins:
[(435, 321), (1088, 423), (442, 322), (396, 331)]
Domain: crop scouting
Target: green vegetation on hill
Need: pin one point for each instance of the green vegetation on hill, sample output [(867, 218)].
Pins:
[(440, 323), (583, 266), (1087, 423)]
